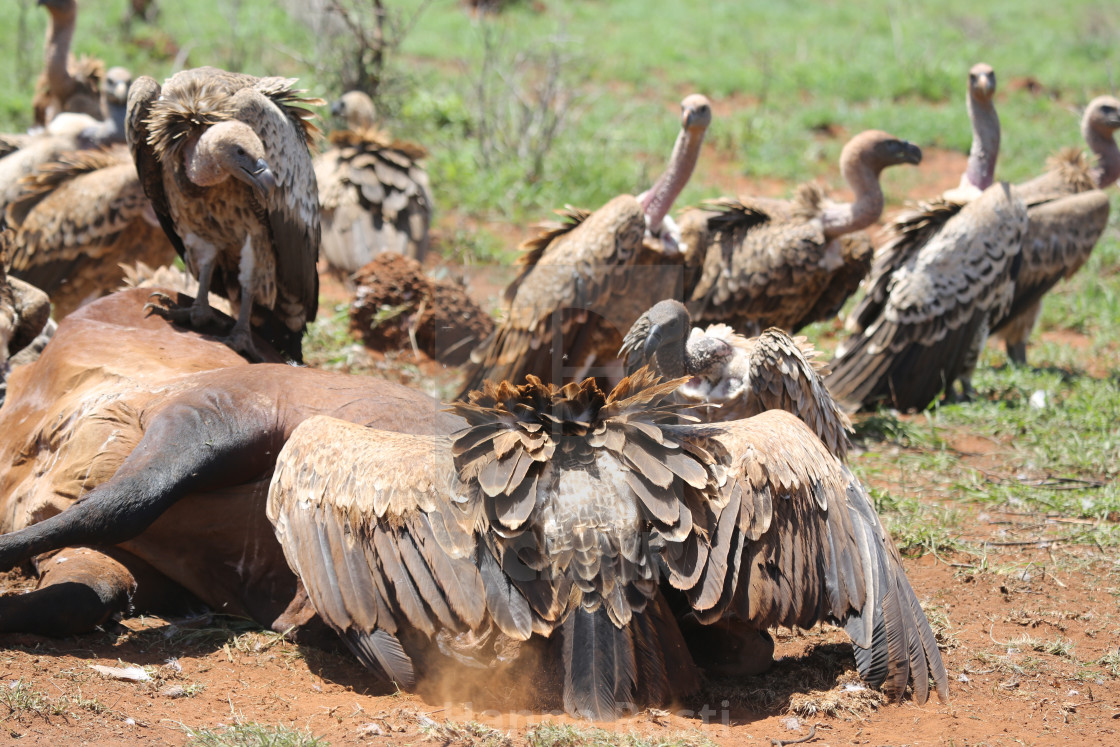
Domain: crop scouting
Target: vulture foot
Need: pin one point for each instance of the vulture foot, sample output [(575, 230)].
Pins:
[(241, 340), (197, 316), (732, 649)]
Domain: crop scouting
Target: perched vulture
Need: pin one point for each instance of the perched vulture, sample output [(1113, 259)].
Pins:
[(66, 84), (741, 376), (224, 159), (1067, 214), (77, 219), (785, 264), (373, 191), (584, 281), (573, 516), (944, 274)]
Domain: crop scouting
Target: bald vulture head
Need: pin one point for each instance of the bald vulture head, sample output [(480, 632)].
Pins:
[(230, 149), (1098, 127), (357, 109), (114, 88), (876, 150), (981, 82)]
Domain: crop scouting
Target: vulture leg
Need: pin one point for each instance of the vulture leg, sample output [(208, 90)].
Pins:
[(241, 336), (201, 441), (198, 316)]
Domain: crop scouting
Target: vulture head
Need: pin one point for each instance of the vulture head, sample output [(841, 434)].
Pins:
[(357, 109), (876, 150), (115, 86), (226, 149), (981, 82), (1098, 126)]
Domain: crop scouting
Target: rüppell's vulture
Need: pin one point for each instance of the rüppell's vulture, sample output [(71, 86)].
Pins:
[(573, 516)]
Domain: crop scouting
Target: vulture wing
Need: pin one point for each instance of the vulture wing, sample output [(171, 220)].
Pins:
[(274, 110), (557, 510), (142, 94), (798, 542), (933, 306)]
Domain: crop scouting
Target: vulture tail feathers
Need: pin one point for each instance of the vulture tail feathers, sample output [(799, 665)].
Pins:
[(600, 672), (382, 651)]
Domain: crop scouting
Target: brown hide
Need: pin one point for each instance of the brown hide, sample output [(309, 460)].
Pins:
[(72, 418)]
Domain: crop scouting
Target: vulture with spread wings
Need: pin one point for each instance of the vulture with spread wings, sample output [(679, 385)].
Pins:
[(572, 516), (224, 159)]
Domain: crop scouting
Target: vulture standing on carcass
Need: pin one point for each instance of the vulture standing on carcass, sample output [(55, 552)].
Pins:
[(580, 518), (772, 263), (612, 263), (66, 84), (742, 376), (373, 191), (224, 159), (945, 273), (1067, 213), (77, 219)]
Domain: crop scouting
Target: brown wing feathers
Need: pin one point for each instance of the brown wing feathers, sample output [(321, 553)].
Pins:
[(557, 508)]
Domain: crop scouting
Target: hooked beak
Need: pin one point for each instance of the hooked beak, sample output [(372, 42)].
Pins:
[(653, 342), (986, 85), (911, 153), (263, 178)]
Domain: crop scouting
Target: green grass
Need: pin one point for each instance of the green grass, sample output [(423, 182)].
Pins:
[(252, 734), (551, 734)]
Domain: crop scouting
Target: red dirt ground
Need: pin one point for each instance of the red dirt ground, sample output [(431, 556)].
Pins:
[(1024, 629)]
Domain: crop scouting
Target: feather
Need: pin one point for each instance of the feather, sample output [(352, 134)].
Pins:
[(600, 672)]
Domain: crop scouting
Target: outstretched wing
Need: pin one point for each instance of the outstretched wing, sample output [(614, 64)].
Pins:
[(378, 547), (798, 543), (276, 112)]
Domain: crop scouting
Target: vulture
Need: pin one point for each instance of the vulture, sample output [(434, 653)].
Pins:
[(1067, 213), (577, 520), (373, 191), (772, 263), (77, 219), (945, 272), (737, 377), (66, 84), (586, 279), (224, 159)]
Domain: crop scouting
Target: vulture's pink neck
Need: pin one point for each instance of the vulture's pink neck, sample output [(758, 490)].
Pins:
[(1103, 144), (841, 218), (659, 199), (981, 169), (60, 32)]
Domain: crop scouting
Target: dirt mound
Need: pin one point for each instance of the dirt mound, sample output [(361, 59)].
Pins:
[(397, 306)]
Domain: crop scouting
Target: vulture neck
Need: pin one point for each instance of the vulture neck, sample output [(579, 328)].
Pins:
[(863, 178), (1104, 146), (60, 32), (660, 198), (981, 169)]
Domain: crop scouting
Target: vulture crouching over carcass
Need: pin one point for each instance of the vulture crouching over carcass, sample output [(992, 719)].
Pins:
[(731, 376), (570, 518), (151, 448), (224, 159)]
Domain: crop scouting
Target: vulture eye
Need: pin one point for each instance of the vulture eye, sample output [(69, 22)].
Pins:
[(240, 151)]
